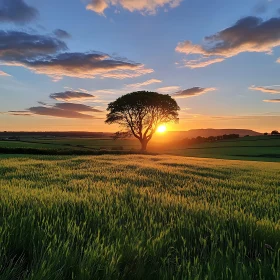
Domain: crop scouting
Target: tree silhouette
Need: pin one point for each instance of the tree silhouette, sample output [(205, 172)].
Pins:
[(141, 113)]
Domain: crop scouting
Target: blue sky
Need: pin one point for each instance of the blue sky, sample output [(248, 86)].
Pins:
[(139, 42)]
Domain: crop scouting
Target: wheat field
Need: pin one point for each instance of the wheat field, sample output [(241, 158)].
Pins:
[(138, 217)]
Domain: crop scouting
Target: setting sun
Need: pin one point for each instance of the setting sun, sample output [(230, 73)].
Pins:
[(161, 129)]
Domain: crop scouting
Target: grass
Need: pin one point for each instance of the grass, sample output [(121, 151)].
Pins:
[(236, 153), (67, 142), (138, 217), (260, 148), (32, 145)]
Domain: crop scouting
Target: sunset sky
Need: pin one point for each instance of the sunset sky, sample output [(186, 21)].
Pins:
[(63, 61)]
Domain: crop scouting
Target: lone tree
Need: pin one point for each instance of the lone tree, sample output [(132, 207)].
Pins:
[(141, 113)]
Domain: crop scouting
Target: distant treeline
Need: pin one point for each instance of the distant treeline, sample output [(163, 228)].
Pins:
[(199, 139)]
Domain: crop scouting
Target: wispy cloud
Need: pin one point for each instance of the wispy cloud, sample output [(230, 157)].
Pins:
[(143, 6), (143, 84), (168, 90), (2, 73), (266, 89), (261, 8), (249, 34), (62, 34), (272, 100), (190, 92)]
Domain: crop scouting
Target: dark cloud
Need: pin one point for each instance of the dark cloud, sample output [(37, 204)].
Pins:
[(56, 112), (85, 65), (43, 55), (62, 34), (61, 110), (19, 47), (249, 34), (71, 95), (195, 91), (16, 11), (76, 107)]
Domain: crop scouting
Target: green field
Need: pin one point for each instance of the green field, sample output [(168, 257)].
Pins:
[(263, 148), (70, 143), (260, 148), (138, 217)]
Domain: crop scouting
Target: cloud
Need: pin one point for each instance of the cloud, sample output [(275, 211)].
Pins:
[(43, 55), (195, 91), (249, 34), (4, 74), (97, 6), (60, 110), (62, 34), (167, 90), (265, 89), (200, 63), (56, 112), (260, 8), (17, 47), (146, 83), (71, 95), (272, 100), (76, 107), (143, 6), (85, 66), (18, 113), (16, 11)]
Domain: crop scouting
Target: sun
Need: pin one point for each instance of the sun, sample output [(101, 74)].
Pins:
[(161, 129)]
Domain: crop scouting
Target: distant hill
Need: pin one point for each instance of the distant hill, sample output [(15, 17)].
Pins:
[(193, 133)]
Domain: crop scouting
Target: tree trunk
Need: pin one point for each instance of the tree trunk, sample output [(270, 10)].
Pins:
[(144, 144)]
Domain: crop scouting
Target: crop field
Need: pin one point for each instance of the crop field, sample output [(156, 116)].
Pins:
[(138, 217), (239, 153), (260, 148), (72, 143)]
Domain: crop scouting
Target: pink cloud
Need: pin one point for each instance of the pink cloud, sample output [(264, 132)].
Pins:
[(143, 6), (249, 34)]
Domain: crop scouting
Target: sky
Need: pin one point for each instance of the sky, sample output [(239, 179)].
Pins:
[(62, 62)]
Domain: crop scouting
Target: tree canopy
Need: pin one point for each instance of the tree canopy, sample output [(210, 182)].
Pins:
[(141, 113)]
